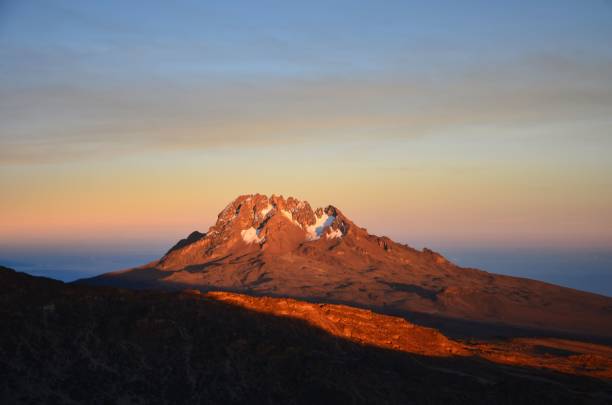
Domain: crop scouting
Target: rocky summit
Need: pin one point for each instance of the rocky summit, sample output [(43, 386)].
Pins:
[(274, 246)]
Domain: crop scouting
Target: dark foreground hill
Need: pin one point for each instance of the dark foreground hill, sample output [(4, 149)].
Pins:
[(78, 344), (282, 247)]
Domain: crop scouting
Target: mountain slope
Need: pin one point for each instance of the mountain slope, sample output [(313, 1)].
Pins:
[(276, 246), (78, 344)]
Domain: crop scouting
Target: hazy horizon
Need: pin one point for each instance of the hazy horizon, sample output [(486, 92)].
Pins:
[(583, 269)]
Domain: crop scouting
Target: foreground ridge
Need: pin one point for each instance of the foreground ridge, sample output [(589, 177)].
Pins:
[(392, 332), (66, 343)]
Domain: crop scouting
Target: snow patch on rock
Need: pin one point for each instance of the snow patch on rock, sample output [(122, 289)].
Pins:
[(266, 210), (250, 235), (334, 233), (289, 216), (315, 231)]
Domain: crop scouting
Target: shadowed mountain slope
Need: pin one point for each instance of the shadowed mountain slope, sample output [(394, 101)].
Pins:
[(78, 344), (275, 246)]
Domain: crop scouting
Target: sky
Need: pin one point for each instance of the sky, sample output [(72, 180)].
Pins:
[(466, 125)]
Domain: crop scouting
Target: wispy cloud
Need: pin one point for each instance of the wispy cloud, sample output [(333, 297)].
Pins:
[(96, 113)]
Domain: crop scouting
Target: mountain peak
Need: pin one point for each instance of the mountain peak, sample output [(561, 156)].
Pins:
[(257, 222), (252, 216), (273, 245)]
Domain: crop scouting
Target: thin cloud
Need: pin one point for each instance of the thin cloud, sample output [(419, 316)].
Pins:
[(98, 114)]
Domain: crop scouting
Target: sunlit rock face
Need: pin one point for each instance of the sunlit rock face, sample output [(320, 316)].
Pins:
[(282, 246), (258, 222)]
